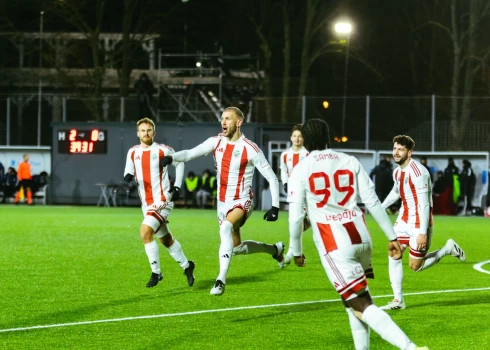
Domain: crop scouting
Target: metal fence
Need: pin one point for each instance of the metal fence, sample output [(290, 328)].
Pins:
[(368, 122)]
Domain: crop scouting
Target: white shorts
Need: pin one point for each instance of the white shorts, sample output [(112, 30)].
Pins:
[(407, 236), (156, 214), (225, 207)]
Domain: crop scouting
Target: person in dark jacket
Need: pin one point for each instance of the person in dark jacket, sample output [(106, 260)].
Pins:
[(382, 176), (467, 180)]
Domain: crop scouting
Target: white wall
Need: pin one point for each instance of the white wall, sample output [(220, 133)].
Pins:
[(39, 157)]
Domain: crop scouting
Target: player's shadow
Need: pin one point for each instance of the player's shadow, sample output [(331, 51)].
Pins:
[(243, 279), (456, 302)]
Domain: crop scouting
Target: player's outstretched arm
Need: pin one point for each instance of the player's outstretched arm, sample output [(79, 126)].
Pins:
[(264, 168), (200, 150)]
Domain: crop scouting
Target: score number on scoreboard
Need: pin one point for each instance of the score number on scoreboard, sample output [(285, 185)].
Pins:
[(77, 141)]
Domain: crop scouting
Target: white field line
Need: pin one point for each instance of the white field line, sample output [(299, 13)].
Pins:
[(478, 267), (223, 310)]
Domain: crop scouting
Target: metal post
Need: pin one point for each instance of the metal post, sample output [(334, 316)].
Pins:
[(40, 92), (122, 109), (344, 104), (303, 109), (433, 131), (368, 104), (8, 121), (63, 101), (220, 86)]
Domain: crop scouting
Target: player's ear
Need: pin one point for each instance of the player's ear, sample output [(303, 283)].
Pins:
[(239, 122)]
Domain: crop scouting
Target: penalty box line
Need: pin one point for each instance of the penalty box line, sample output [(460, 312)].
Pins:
[(59, 325)]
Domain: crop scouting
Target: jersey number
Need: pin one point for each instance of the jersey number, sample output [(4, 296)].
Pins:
[(325, 191)]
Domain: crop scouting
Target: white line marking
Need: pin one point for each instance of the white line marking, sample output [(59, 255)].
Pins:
[(223, 310), (478, 266)]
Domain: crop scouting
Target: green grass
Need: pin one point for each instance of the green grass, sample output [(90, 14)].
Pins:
[(66, 265)]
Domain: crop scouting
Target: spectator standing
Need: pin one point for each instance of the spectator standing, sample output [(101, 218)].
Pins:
[(191, 185), (439, 185), (382, 176), (25, 180), (144, 91), (467, 181), (206, 188)]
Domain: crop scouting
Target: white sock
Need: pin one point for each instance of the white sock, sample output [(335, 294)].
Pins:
[(225, 249), (434, 257), (395, 269), (151, 250), (252, 247), (176, 252), (360, 331), (382, 324)]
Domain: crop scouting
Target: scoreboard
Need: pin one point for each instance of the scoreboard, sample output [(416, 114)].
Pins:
[(82, 141)]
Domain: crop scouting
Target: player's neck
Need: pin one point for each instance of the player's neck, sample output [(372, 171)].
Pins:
[(405, 163), (235, 136), (296, 148), (145, 145)]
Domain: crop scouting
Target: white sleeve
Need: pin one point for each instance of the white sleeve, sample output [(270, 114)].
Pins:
[(284, 169), (296, 199), (265, 169), (422, 186), (129, 168), (179, 173), (393, 196), (371, 200), (200, 150)]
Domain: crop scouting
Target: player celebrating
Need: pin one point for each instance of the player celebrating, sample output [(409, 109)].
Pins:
[(235, 158), (328, 183), (143, 165), (414, 223), (289, 159)]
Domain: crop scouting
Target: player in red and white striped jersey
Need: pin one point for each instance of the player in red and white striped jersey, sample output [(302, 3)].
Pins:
[(288, 161), (328, 183), (143, 165), (236, 158), (414, 223)]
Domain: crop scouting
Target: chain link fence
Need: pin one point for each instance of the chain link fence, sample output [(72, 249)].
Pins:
[(367, 122)]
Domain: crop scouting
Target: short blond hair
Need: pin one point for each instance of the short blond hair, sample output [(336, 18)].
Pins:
[(145, 121), (238, 113)]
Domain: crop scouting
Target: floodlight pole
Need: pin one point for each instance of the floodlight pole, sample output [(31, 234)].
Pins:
[(40, 90)]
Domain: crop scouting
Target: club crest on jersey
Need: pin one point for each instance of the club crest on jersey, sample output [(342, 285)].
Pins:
[(406, 180), (236, 153), (154, 156)]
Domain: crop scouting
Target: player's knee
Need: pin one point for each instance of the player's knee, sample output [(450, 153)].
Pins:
[(416, 265), (146, 233)]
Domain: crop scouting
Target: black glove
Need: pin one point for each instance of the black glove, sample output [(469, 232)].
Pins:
[(175, 193), (165, 161), (272, 214), (286, 188), (128, 178)]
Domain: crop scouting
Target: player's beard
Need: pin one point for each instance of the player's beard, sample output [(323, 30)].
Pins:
[(148, 141), (402, 160)]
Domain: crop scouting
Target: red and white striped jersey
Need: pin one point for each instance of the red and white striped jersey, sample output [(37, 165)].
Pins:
[(329, 183), (234, 163), (289, 159), (152, 180), (413, 186)]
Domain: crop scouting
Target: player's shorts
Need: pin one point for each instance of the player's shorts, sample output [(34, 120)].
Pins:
[(156, 214), (25, 183), (348, 268), (407, 236), (225, 207)]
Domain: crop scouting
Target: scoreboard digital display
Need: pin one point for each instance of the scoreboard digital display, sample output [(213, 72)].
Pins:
[(82, 141)]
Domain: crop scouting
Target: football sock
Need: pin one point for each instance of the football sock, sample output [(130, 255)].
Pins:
[(151, 250), (382, 324), (252, 247), (176, 252), (225, 249), (433, 258), (395, 269), (359, 329)]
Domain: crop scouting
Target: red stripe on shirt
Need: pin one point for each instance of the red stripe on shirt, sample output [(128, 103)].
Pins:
[(160, 175), (404, 200), (254, 146), (146, 170), (327, 237), (285, 162), (225, 171), (416, 202), (241, 172), (415, 169), (354, 235), (295, 159)]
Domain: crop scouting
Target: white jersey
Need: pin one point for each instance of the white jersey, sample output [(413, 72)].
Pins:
[(413, 186), (235, 163), (329, 183), (289, 159), (151, 178)]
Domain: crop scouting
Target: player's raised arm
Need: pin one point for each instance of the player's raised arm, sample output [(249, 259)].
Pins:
[(264, 168)]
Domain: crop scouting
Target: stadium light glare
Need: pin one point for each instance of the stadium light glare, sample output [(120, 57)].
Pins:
[(325, 104), (198, 64), (345, 139), (343, 27)]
